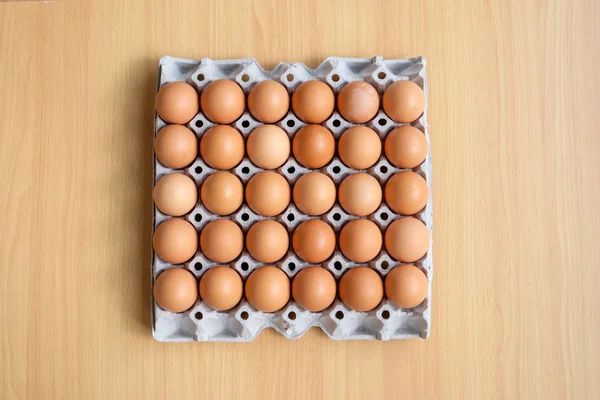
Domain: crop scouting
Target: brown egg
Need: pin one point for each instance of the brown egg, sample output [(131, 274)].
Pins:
[(268, 101), (360, 240), (361, 289), (313, 102), (177, 103), (314, 289), (313, 146), (221, 288), (267, 241), (403, 101), (314, 193), (222, 193), (175, 194), (268, 289), (406, 147), (222, 147), (313, 241), (175, 290), (222, 240), (406, 286), (360, 194), (268, 146), (268, 193), (407, 239), (175, 146), (406, 193), (223, 101), (359, 147), (358, 102), (175, 241)]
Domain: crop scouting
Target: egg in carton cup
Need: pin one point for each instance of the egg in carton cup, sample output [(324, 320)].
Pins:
[(244, 323)]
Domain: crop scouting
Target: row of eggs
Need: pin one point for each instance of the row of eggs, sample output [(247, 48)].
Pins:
[(223, 101), (314, 241), (267, 289), (268, 193)]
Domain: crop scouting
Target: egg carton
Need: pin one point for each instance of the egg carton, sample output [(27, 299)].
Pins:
[(244, 323)]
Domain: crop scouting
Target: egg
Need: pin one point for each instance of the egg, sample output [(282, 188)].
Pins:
[(175, 290), (313, 146), (222, 147), (407, 239), (177, 103), (358, 102), (175, 241), (268, 146), (268, 193), (268, 101), (175, 146), (221, 240), (314, 289), (360, 240), (175, 194), (267, 241), (406, 193), (403, 101), (360, 194), (313, 102), (406, 147), (222, 193), (313, 241), (268, 289), (406, 286), (361, 289), (223, 101), (221, 288), (314, 193), (359, 147)]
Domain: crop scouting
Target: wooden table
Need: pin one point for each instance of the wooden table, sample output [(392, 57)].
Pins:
[(515, 125)]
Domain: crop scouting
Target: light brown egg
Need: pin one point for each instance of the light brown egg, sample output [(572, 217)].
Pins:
[(358, 102), (268, 289), (222, 193), (361, 289), (360, 240), (175, 290), (406, 286), (359, 147), (268, 101), (406, 193), (221, 288), (222, 147), (314, 193), (221, 240), (313, 146), (313, 241), (175, 241), (175, 194), (313, 102), (406, 147), (175, 146), (267, 241), (403, 101), (268, 193), (407, 239), (177, 103), (314, 289), (360, 194), (223, 101), (268, 146)]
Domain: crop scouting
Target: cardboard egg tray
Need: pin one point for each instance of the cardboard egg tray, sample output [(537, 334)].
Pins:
[(244, 323)]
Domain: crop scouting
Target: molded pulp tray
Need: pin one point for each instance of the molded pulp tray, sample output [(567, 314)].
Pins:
[(244, 323)]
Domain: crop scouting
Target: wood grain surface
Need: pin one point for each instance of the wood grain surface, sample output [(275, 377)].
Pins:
[(515, 126)]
